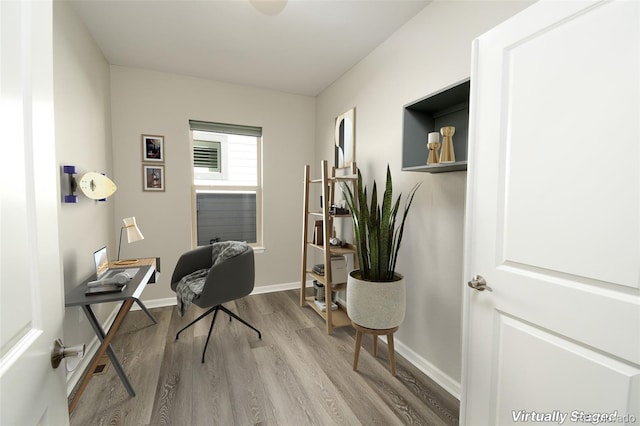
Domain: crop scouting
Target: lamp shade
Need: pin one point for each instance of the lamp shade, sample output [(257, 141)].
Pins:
[(133, 232)]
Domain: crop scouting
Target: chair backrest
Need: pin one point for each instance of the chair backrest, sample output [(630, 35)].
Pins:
[(229, 280)]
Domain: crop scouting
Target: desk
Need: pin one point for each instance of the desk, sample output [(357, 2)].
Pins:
[(76, 297), (136, 263)]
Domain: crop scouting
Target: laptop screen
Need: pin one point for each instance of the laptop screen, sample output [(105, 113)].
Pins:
[(101, 261)]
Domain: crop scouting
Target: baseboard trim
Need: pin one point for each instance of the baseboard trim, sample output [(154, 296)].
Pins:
[(171, 301), (279, 287), (156, 303), (444, 380), (449, 384)]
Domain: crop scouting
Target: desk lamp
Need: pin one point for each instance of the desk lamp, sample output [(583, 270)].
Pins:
[(133, 234)]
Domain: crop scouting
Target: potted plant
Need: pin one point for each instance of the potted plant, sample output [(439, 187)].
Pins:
[(375, 291)]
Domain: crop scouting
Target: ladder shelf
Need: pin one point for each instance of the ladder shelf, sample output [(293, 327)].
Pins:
[(333, 318)]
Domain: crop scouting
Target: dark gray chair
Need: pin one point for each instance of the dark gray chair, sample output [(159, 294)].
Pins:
[(229, 280)]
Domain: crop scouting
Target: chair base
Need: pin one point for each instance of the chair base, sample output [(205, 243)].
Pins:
[(215, 310)]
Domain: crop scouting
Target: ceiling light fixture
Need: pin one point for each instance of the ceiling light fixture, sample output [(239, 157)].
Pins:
[(269, 7)]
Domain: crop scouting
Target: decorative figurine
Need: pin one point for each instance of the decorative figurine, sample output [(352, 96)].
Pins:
[(446, 153), (433, 143)]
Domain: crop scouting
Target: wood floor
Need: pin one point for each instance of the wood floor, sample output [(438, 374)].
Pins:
[(294, 375)]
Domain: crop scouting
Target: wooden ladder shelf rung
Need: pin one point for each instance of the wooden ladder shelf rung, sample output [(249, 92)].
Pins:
[(338, 318)]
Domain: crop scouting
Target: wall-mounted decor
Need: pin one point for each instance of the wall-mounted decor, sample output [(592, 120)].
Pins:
[(345, 138), (95, 186), (152, 177), (153, 148)]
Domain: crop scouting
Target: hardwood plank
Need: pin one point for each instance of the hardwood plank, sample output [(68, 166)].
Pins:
[(211, 397), (110, 402), (368, 407), (278, 303), (407, 406), (142, 349), (317, 386), (173, 394), (445, 405), (289, 397), (251, 403), (437, 399), (297, 374)]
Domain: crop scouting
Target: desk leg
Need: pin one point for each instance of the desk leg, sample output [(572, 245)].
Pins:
[(104, 347), (112, 356), (146, 311)]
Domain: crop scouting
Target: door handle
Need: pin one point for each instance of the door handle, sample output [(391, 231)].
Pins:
[(478, 283), (59, 352)]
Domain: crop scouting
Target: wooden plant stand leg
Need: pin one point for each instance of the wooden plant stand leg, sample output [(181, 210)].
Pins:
[(357, 353), (392, 353), (375, 333), (375, 345)]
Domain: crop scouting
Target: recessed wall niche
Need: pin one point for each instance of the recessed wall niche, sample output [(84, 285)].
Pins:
[(446, 107)]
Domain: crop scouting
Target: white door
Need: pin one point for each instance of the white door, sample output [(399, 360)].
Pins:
[(553, 218), (31, 301)]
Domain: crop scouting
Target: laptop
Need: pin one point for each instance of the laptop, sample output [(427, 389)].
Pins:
[(101, 261)]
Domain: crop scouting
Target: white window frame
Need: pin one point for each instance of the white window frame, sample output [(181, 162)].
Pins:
[(213, 187)]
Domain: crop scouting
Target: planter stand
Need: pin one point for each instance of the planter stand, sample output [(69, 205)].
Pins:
[(375, 333)]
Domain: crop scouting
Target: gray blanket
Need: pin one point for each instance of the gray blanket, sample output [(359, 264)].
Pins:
[(190, 286)]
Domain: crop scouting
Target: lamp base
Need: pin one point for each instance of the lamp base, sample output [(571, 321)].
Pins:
[(126, 262)]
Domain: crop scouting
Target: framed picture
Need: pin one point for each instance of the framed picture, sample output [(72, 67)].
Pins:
[(152, 177), (345, 138), (153, 148)]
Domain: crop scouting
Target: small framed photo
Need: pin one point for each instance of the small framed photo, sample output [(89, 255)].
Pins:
[(152, 177), (153, 148)]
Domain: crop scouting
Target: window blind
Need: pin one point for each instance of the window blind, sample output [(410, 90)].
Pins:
[(233, 129)]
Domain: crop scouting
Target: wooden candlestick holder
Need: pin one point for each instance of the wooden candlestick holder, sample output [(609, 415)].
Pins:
[(447, 154), (433, 152)]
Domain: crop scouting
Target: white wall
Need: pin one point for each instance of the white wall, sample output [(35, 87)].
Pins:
[(162, 104), (430, 52), (83, 138)]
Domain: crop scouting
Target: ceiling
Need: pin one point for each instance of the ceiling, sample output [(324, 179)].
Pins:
[(301, 50)]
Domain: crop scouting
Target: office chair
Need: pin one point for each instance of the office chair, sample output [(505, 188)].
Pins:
[(226, 280)]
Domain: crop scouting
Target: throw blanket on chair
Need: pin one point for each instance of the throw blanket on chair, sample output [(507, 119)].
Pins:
[(226, 250), (190, 286)]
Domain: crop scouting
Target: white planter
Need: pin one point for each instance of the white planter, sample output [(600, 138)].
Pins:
[(376, 305)]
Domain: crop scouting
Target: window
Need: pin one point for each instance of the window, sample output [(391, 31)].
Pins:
[(227, 188)]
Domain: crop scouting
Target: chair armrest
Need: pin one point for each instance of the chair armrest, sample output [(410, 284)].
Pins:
[(191, 261)]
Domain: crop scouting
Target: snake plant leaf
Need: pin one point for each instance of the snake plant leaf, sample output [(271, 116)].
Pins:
[(386, 232), (375, 227)]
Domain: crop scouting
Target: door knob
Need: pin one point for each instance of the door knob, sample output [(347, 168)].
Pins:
[(59, 352), (478, 283)]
